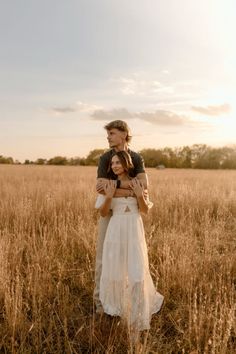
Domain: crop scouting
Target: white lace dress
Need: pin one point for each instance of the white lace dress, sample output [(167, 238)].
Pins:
[(126, 286)]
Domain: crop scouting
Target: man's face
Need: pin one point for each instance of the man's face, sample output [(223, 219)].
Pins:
[(115, 137)]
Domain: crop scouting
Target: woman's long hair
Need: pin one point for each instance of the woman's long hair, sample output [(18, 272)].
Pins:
[(125, 160)]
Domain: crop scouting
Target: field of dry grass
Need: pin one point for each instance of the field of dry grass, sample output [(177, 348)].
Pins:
[(47, 255)]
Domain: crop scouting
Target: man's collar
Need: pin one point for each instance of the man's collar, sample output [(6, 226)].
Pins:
[(114, 151)]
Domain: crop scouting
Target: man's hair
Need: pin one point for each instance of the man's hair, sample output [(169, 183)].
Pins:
[(120, 125), (125, 160)]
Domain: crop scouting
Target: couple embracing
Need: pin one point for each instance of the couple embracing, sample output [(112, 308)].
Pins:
[(123, 284)]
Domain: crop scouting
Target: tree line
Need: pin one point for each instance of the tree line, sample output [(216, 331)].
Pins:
[(198, 156)]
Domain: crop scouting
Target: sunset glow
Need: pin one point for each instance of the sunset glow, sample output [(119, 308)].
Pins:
[(167, 68)]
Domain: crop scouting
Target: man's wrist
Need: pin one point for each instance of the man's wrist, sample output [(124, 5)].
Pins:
[(131, 193)]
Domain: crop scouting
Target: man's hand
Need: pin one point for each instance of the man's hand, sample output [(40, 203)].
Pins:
[(145, 194)]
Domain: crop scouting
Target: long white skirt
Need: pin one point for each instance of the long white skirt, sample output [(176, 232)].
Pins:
[(126, 286)]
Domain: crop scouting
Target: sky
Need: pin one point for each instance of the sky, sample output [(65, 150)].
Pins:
[(67, 67)]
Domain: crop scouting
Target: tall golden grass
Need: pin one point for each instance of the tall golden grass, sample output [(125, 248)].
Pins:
[(48, 228)]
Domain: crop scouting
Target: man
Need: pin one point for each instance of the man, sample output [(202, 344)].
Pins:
[(118, 136)]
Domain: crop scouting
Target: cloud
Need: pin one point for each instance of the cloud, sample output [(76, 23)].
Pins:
[(138, 85), (77, 107), (166, 72), (164, 118), (120, 113), (212, 110), (159, 117), (86, 107), (62, 110)]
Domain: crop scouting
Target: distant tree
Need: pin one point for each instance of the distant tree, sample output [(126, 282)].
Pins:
[(228, 158), (199, 152), (195, 156), (213, 159), (82, 161), (41, 161), (169, 157), (73, 161), (178, 157), (152, 157), (230, 162), (28, 162), (58, 160), (6, 160), (93, 157), (185, 157), (209, 158)]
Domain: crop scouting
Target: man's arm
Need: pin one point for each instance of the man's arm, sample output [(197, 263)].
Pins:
[(140, 176), (143, 177), (120, 192), (102, 176), (124, 190), (124, 184)]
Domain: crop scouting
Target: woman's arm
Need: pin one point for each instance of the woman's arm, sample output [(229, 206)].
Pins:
[(138, 189), (109, 190), (143, 207), (106, 206)]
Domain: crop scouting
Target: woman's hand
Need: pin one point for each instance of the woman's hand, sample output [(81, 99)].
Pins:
[(137, 187), (110, 188)]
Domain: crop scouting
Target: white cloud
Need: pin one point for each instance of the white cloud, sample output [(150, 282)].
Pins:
[(165, 118), (62, 110), (213, 110), (139, 85), (119, 113), (157, 117), (86, 107), (76, 107), (166, 72)]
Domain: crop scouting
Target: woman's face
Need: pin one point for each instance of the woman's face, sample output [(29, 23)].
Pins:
[(116, 165)]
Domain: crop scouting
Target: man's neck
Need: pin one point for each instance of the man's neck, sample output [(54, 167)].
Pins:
[(121, 148)]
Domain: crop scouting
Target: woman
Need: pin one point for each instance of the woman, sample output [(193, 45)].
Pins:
[(126, 286)]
